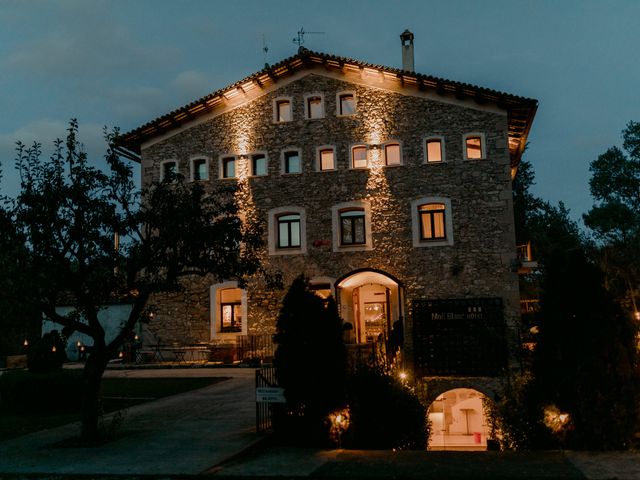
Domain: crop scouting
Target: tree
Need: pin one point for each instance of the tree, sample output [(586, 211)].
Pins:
[(586, 363), (310, 359), (68, 214), (615, 218)]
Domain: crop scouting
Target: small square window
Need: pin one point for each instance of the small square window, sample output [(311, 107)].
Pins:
[(392, 154), (292, 162), (258, 165), (229, 167), (314, 107), (434, 150), (474, 148), (200, 171), (347, 104), (359, 157), (283, 111), (169, 171), (327, 159)]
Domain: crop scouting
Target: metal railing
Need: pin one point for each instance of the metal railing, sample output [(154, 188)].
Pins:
[(266, 377), (252, 348)]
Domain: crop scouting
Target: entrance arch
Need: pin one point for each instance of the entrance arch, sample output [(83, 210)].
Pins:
[(371, 302), (458, 421)]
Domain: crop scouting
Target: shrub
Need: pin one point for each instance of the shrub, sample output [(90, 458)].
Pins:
[(516, 416), (384, 413), (46, 354), (310, 363)]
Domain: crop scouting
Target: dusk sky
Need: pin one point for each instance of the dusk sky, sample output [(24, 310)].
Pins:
[(123, 63)]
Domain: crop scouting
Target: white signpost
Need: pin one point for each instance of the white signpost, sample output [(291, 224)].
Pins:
[(270, 395)]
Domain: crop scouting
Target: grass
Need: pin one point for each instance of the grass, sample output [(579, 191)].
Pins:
[(20, 416)]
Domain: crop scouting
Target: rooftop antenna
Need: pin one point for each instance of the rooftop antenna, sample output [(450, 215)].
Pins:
[(300, 39), (265, 50)]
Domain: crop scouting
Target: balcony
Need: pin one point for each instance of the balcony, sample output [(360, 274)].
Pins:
[(526, 264)]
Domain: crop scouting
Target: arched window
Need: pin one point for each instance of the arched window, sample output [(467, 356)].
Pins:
[(434, 150), (392, 154), (474, 147), (431, 222), (282, 111), (359, 156), (292, 162), (287, 231), (326, 159)]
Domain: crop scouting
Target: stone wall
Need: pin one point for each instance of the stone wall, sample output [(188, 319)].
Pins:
[(478, 264)]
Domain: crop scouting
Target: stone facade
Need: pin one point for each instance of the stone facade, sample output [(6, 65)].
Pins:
[(480, 259)]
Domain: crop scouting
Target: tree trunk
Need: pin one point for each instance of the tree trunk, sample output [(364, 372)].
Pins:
[(91, 380)]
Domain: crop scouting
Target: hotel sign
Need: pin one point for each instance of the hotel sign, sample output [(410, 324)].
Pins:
[(270, 395), (459, 337)]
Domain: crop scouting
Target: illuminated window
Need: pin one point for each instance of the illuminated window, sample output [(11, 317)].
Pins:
[(289, 230), (230, 310), (168, 170), (474, 146), (432, 224), (314, 107), (292, 163), (434, 150), (199, 169), (352, 227), (392, 154), (228, 167), (326, 159), (346, 104), (359, 157), (258, 164), (283, 110)]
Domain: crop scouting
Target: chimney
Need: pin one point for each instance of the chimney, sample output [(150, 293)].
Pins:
[(407, 51)]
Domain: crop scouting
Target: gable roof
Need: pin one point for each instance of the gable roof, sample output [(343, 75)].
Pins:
[(520, 110)]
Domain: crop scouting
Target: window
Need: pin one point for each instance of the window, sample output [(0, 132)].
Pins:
[(314, 107), (283, 111), (326, 159), (432, 221), (228, 167), (352, 227), (231, 310), (292, 162), (434, 150), (258, 164), (168, 170), (392, 154), (359, 157), (199, 169), (228, 310), (289, 230), (346, 104), (474, 146)]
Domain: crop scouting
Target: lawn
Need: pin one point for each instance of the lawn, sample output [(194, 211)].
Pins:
[(32, 402)]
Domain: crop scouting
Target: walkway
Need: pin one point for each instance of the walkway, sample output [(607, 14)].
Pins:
[(182, 434)]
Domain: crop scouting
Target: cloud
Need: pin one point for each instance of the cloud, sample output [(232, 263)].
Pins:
[(85, 40), (192, 84)]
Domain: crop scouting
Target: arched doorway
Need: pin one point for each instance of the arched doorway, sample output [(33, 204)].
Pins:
[(370, 302), (458, 421)]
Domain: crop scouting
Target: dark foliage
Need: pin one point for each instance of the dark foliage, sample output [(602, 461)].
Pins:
[(46, 354), (385, 414), (586, 358), (310, 362), (65, 219)]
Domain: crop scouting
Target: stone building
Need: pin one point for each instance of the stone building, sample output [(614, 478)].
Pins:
[(389, 189)]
